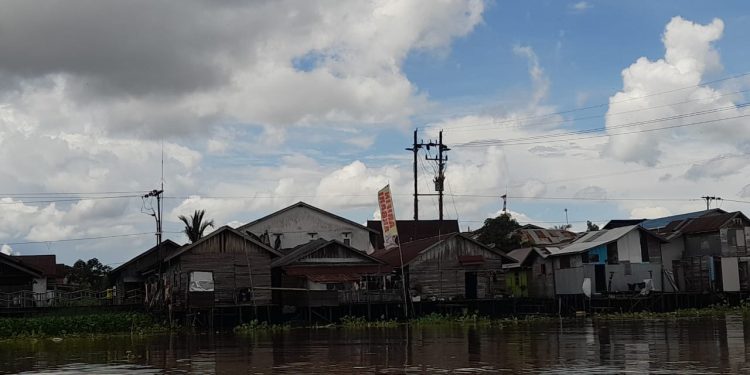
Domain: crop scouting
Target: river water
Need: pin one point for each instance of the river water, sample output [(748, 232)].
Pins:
[(685, 346)]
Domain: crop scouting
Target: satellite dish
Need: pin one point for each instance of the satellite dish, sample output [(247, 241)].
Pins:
[(586, 287)]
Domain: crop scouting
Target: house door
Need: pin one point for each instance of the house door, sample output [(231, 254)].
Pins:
[(470, 285), (600, 278)]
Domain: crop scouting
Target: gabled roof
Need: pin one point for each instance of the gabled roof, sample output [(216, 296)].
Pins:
[(45, 263), (710, 223), (665, 221), (533, 236), (413, 249), (598, 238), (310, 207), (523, 255), (169, 245), (217, 232), (412, 230), (21, 266), (617, 223), (311, 247)]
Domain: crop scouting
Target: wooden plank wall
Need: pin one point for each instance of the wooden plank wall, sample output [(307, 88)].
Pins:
[(541, 285), (225, 256), (439, 274)]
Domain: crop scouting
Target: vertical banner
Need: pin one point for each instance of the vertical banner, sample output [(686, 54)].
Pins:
[(388, 218)]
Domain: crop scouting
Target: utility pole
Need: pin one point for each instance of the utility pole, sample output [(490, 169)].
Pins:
[(415, 149), (440, 178), (709, 199)]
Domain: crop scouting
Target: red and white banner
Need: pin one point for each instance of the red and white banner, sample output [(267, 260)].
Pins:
[(388, 218)]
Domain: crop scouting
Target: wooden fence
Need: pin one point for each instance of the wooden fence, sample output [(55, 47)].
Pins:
[(56, 298)]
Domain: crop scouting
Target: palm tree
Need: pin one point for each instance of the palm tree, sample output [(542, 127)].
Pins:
[(195, 226)]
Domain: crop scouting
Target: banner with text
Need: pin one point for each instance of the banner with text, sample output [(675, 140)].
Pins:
[(388, 218)]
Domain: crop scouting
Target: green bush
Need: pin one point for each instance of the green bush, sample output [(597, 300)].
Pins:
[(57, 325), (254, 326), (361, 322)]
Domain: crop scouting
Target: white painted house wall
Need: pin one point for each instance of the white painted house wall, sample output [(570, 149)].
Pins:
[(296, 223), (629, 247)]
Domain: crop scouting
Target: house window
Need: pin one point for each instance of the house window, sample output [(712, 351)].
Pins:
[(335, 286), (644, 248), (347, 238), (347, 241), (612, 253), (201, 281), (585, 258), (564, 262), (313, 235), (543, 269)]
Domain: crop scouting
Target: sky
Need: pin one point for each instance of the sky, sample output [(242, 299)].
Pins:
[(595, 109)]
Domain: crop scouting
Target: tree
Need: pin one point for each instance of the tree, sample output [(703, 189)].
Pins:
[(563, 227), (195, 226), (91, 274), (591, 227), (500, 231)]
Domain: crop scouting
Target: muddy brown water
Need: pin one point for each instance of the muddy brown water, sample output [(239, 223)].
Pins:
[(685, 346)]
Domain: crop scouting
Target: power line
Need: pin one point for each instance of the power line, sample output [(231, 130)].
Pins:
[(620, 126), (492, 125), (740, 75), (83, 238), (27, 202), (506, 143), (72, 193)]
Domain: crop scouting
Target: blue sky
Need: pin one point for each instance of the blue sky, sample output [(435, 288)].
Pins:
[(272, 103)]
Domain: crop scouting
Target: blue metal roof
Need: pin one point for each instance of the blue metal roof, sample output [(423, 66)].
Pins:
[(663, 221)]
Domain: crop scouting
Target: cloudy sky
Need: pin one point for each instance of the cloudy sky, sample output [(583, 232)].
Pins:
[(606, 109)]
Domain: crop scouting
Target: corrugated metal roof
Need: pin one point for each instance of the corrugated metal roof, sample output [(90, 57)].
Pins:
[(593, 239), (335, 278), (664, 221), (45, 263), (313, 246), (311, 271), (708, 223), (545, 236), (468, 260), (410, 230)]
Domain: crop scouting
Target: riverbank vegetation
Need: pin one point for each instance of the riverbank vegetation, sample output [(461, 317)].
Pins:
[(61, 325), (706, 312), (254, 326)]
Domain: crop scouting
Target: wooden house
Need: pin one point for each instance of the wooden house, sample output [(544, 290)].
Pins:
[(29, 280), (300, 223), (16, 276), (532, 273), (709, 252), (621, 260), (452, 266), (224, 268), (327, 273), (129, 279)]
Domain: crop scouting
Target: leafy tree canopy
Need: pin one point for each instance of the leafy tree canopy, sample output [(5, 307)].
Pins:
[(195, 226), (89, 274), (591, 227), (500, 231)]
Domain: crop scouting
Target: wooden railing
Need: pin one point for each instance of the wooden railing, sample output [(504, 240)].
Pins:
[(369, 296), (27, 298)]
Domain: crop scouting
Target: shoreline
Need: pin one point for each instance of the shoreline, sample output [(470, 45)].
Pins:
[(142, 324)]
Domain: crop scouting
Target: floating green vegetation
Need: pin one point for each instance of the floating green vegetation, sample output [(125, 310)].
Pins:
[(254, 326), (61, 325), (436, 319), (361, 322), (706, 312)]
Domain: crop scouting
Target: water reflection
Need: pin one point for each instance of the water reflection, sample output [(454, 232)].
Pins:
[(679, 347)]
